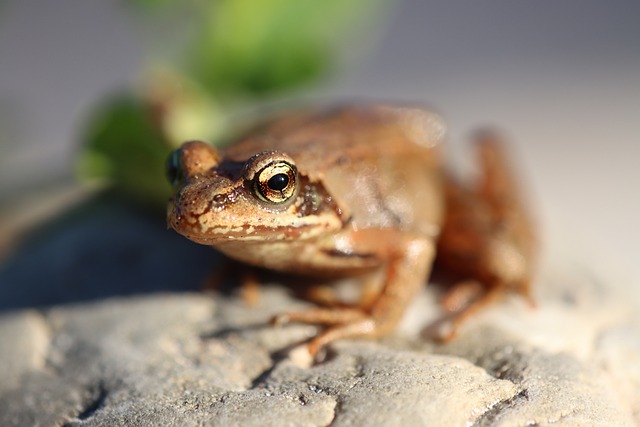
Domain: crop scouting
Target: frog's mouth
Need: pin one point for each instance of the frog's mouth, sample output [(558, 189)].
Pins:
[(200, 233), (213, 228)]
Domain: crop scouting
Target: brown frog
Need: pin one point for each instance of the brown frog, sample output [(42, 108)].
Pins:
[(347, 191)]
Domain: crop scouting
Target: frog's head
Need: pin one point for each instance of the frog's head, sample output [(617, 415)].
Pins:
[(264, 197)]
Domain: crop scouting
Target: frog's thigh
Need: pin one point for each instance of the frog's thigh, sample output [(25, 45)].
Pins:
[(488, 239), (488, 235)]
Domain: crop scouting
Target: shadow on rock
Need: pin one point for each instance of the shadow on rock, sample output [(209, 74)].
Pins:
[(100, 249)]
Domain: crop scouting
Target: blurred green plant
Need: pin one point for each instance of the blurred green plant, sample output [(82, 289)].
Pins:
[(237, 52), (124, 148)]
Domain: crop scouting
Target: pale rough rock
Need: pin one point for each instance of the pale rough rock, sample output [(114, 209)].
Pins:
[(193, 359), (196, 359), (25, 340)]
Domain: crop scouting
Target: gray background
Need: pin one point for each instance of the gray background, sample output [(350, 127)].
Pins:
[(562, 78)]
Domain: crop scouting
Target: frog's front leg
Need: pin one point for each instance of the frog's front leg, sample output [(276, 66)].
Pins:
[(407, 261)]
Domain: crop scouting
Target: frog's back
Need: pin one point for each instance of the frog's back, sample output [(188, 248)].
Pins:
[(380, 163), (319, 138)]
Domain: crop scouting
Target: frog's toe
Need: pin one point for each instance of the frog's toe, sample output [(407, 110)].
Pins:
[(365, 327), (320, 316)]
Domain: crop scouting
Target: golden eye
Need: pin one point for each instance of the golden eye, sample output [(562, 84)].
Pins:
[(276, 182)]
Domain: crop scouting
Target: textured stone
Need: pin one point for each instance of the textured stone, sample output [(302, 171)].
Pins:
[(181, 359), (192, 359), (25, 338)]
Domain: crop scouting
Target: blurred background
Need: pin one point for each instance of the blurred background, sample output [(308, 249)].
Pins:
[(93, 95)]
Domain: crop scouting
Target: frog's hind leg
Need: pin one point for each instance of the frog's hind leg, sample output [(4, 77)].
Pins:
[(512, 241), (487, 239)]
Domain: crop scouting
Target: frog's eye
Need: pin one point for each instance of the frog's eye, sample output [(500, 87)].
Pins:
[(276, 182), (174, 168)]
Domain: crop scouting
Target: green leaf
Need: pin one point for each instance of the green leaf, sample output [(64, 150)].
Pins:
[(123, 148), (258, 47)]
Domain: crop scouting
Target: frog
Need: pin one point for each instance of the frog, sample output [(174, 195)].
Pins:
[(358, 191)]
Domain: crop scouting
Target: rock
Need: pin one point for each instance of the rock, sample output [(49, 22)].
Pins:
[(194, 358), (176, 359), (25, 341)]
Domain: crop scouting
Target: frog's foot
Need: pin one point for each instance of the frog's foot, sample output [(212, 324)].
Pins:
[(321, 316), (341, 322), (365, 327), (469, 297), (464, 301)]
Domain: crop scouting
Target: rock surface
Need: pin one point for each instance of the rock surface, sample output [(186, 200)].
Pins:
[(192, 359)]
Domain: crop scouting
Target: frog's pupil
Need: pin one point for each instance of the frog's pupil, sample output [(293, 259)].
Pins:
[(278, 182)]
